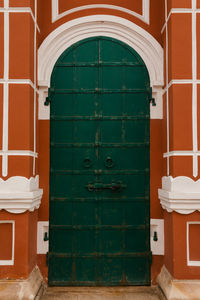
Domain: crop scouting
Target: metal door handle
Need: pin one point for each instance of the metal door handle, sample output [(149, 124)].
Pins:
[(87, 162), (109, 162), (97, 186)]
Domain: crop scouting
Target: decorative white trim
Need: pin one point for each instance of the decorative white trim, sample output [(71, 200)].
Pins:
[(181, 153), (111, 26), (19, 184), (35, 80), (191, 262), (5, 89), (194, 87), (9, 262), (157, 247), (19, 194), (19, 153), (167, 80), (42, 246), (144, 17), (180, 194)]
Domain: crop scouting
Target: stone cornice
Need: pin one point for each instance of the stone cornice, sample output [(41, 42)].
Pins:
[(19, 194), (180, 194)]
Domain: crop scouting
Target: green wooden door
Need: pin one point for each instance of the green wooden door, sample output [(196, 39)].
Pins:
[(99, 181)]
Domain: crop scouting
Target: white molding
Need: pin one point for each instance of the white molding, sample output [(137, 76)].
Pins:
[(180, 194), (111, 26), (19, 184), (167, 80), (191, 263), (5, 88), (19, 194), (194, 87), (9, 262), (181, 153), (19, 153), (157, 247), (42, 246), (144, 17), (35, 80)]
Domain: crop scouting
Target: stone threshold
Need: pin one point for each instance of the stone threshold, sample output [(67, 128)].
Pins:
[(103, 293)]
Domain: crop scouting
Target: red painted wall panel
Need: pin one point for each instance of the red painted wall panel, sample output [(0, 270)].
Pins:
[(21, 46), (6, 230), (180, 46), (21, 117)]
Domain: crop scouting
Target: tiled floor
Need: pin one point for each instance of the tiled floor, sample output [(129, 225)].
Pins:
[(104, 293)]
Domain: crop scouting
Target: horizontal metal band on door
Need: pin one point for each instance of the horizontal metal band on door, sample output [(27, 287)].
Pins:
[(98, 91), (99, 118), (101, 255), (101, 172), (99, 144), (99, 64), (104, 199)]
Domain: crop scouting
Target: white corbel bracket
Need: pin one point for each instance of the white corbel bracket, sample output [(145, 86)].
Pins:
[(180, 194), (19, 194)]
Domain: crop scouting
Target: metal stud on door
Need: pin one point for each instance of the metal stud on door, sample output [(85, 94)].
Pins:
[(99, 181)]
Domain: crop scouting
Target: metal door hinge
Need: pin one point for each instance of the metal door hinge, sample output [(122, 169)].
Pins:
[(152, 101), (47, 101), (46, 238)]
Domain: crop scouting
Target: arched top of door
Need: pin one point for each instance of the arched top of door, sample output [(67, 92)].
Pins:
[(100, 25), (99, 51)]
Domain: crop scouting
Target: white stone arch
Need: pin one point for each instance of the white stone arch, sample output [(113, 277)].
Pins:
[(102, 25)]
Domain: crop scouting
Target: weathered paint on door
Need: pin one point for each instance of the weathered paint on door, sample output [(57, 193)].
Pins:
[(99, 181)]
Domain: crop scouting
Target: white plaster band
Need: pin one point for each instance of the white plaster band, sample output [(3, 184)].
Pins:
[(18, 153), (19, 194), (180, 194)]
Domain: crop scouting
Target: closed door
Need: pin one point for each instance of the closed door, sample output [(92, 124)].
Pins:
[(99, 166)]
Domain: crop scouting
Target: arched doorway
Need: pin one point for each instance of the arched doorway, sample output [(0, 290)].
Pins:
[(99, 183)]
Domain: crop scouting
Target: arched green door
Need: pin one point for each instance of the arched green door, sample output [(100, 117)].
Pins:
[(99, 181)]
